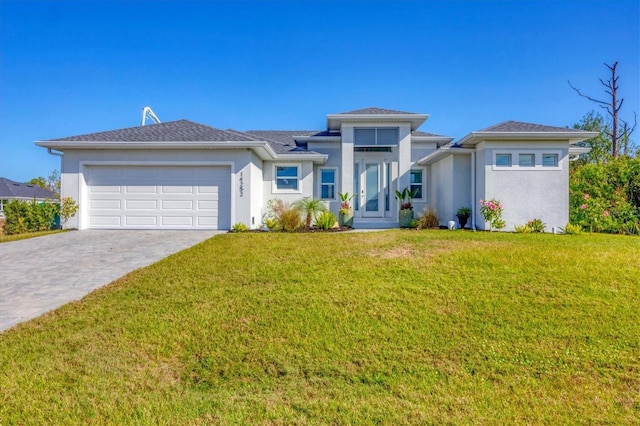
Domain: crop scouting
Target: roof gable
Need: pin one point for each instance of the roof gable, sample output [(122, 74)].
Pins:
[(12, 189)]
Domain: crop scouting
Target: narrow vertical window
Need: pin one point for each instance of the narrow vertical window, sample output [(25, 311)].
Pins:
[(328, 184), (416, 183)]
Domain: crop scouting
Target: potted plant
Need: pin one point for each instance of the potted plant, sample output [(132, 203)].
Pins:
[(345, 214), (405, 201), (463, 215)]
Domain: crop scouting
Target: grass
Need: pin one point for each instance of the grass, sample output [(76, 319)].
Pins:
[(397, 327), (15, 237)]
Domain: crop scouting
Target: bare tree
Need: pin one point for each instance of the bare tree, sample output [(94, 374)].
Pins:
[(613, 108)]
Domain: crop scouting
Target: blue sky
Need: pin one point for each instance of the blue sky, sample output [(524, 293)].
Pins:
[(75, 67)]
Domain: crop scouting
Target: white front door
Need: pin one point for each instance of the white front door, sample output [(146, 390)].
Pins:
[(373, 205), (370, 184)]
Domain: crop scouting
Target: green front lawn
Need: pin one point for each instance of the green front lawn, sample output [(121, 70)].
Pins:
[(397, 327), (8, 238)]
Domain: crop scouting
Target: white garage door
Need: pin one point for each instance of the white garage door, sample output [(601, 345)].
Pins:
[(165, 197)]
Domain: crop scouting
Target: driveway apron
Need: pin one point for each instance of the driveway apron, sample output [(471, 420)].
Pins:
[(43, 273)]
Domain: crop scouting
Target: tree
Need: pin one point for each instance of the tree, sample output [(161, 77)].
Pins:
[(310, 207), (52, 182), (601, 144), (39, 181), (620, 130)]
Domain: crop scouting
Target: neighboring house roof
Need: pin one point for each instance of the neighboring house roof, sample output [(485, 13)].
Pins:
[(171, 131), (10, 189), (517, 130)]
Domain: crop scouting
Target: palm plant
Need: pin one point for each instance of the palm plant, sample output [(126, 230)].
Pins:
[(310, 207)]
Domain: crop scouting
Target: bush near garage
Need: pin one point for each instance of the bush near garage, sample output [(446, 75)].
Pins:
[(29, 216)]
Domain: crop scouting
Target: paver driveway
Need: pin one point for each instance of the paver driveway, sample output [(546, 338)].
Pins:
[(43, 273)]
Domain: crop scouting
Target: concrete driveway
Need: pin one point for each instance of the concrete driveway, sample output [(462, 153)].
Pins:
[(43, 273)]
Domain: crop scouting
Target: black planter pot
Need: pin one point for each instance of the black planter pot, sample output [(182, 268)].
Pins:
[(462, 220)]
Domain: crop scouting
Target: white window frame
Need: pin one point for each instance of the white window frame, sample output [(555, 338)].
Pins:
[(422, 184), (276, 190), (537, 159), (335, 183)]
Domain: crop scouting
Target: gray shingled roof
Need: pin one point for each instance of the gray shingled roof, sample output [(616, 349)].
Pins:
[(10, 189), (420, 133), (283, 142), (171, 131), (518, 126), (375, 110)]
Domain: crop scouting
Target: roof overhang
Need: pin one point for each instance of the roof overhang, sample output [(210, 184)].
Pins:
[(261, 148), (572, 137), (334, 121), (443, 152)]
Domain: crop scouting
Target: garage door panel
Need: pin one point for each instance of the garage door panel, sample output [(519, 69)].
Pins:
[(140, 204), (141, 221), (181, 221), (105, 204), (177, 205), (104, 221), (207, 205), (159, 197), (106, 189), (177, 189), (208, 221)]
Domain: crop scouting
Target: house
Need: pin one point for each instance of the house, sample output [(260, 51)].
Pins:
[(185, 175), (11, 190)]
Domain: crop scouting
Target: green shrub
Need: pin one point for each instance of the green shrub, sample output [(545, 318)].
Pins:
[(272, 224), (286, 215), (572, 229), (29, 216), (523, 229), (429, 219), (491, 211), (536, 225), (325, 220), (68, 209), (240, 227), (606, 197), (310, 208)]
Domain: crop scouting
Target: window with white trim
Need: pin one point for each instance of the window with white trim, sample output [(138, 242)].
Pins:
[(327, 183), (416, 183), (526, 160), (287, 178), (549, 160), (503, 160), (377, 136)]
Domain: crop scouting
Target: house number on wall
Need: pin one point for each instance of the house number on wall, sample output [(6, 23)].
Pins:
[(241, 186)]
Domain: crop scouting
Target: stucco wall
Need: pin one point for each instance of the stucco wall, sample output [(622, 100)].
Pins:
[(334, 161), (441, 188), (528, 193), (305, 185)]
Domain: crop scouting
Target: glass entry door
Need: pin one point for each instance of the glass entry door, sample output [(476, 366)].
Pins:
[(371, 190)]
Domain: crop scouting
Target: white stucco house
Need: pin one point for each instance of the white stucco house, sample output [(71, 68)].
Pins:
[(185, 175)]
